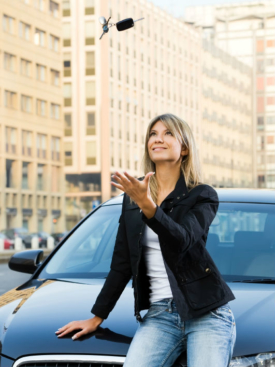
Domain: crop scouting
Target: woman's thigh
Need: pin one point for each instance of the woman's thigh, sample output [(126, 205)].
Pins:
[(211, 338), (158, 341)]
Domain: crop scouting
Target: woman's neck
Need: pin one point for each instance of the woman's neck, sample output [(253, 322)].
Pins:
[(167, 179)]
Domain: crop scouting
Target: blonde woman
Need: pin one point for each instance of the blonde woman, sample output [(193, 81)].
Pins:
[(160, 242)]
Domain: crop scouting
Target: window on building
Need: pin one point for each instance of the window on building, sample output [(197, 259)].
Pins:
[(25, 67), (270, 139), (270, 43), (41, 72), (55, 148), (9, 61), (67, 93), (24, 31), (270, 81), (67, 64), (90, 152), (90, 123), (89, 7), (260, 46), (41, 177), (90, 93), (25, 175), (54, 9), (26, 103), (68, 151), (10, 99), (90, 63), (39, 37), (66, 31), (112, 162), (270, 101), (260, 66), (26, 143), (260, 123), (40, 4), (90, 32), (261, 181), (260, 104), (68, 124), (8, 24), (54, 43), (260, 83), (10, 173), (41, 107), (66, 8), (10, 135), (270, 120), (55, 111), (41, 146)]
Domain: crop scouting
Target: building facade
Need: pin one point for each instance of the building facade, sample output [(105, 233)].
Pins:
[(114, 86), (246, 31), (31, 124), (227, 124)]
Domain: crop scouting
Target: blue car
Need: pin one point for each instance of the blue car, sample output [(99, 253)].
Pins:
[(63, 288)]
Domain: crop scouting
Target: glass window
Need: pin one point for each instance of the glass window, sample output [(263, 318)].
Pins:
[(90, 93), (91, 123), (90, 33), (66, 30), (88, 251), (90, 63), (91, 152)]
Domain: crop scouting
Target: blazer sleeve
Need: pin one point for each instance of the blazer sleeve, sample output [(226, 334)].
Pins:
[(179, 237), (119, 274)]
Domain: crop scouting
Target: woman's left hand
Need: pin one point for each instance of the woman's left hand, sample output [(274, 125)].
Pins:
[(139, 191)]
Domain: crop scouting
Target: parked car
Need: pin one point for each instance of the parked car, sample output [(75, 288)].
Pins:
[(8, 244), (13, 233), (42, 238), (59, 236), (64, 286)]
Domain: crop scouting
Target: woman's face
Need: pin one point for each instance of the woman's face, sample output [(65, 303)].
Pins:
[(163, 146)]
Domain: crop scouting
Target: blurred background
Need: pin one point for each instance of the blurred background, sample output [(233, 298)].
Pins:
[(74, 109)]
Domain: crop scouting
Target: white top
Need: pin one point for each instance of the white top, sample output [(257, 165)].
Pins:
[(159, 283)]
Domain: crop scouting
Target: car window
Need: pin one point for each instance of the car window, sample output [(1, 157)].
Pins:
[(241, 240), (87, 253)]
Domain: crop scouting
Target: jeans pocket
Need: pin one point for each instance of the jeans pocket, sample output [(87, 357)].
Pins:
[(154, 311), (223, 313)]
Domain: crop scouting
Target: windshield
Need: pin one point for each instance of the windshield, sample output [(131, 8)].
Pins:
[(241, 241), (87, 253)]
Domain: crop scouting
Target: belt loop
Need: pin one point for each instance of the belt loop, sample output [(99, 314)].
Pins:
[(169, 305)]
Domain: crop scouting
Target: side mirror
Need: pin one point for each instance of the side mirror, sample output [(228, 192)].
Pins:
[(26, 261), (125, 24)]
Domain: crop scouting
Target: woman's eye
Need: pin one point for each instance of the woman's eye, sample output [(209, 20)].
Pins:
[(169, 132)]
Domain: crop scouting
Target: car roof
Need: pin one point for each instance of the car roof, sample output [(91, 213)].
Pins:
[(241, 195)]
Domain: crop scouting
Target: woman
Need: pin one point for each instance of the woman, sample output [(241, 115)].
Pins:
[(173, 274)]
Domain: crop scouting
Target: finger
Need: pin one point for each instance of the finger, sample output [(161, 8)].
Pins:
[(147, 177), (130, 178), (120, 187), (60, 330), (78, 335), (122, 177), (69, 330), (116, 178)]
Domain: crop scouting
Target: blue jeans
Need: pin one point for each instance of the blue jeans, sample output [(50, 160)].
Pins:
[(161, 337)]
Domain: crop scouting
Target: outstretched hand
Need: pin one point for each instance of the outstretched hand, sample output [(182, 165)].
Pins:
[(139, 191)]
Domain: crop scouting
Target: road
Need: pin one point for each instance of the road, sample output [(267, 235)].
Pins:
[(10, 279)]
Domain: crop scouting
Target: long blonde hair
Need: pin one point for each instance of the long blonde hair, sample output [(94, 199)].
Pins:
[(190, 165)]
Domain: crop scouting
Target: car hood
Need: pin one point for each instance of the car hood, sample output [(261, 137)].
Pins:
[(30, 315)]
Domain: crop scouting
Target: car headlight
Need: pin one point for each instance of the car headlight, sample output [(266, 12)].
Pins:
[(260, 360)]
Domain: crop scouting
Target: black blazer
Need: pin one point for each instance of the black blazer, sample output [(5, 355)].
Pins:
[(182, 223)]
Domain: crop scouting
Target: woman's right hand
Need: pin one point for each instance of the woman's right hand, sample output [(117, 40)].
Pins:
[(86, 326)]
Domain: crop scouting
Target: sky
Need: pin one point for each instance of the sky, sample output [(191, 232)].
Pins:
[(176, 7)]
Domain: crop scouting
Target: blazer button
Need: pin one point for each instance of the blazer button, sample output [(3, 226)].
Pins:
[(207, 270)]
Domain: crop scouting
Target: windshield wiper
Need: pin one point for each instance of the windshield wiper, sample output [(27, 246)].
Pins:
[(262, 280)]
